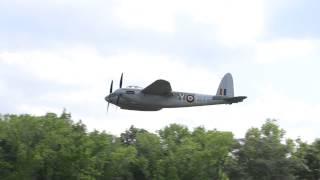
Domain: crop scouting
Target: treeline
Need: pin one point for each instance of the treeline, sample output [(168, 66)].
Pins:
[(54, 147)]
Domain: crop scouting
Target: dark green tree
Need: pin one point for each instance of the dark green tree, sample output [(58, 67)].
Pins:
[(129, 137), (308, 157), (53, 147), (263, 155), (194, 155)]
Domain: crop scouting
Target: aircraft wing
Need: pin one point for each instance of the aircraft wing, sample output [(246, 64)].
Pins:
[(159, 87)]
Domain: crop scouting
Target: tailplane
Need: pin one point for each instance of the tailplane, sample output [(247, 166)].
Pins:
[(226, 86)]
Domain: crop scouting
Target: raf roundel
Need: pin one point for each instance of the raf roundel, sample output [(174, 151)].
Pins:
[(190, 98)]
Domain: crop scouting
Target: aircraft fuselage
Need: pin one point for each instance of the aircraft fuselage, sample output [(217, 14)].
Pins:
[(134, 99), (159, 95)]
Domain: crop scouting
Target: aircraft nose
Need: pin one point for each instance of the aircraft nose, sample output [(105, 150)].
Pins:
[(107, 98)]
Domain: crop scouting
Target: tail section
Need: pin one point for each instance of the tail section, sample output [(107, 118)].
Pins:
[(226, 86)]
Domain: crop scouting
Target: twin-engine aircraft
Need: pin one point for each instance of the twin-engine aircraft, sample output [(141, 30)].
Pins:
[(159, 95)]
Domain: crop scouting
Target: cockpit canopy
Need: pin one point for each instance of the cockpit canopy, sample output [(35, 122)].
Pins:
[(134, 87)]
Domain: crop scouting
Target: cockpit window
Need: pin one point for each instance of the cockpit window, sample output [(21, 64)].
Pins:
[(134, 87), (129, 92)]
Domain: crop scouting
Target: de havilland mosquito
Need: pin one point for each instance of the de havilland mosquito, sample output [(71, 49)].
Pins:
[(159, 95)]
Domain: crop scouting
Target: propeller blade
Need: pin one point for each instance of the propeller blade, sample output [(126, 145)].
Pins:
[(108, 107), (121, 78), (111, 86)]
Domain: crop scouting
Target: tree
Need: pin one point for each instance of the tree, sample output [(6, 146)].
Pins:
[(194, 155), (308, 157), (262, 155), (149, 153), (46, 147), (55, 147), (130, 136)]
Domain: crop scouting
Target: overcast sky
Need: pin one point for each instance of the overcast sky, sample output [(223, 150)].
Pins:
[(59, 54)]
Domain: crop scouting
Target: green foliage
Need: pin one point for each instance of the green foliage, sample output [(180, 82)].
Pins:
[(308, 159), (55, 147), (263, 155)]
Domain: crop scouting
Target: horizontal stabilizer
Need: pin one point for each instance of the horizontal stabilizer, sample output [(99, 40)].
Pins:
[(235, 99)]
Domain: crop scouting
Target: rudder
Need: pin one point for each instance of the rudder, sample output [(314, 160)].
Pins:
[(226, 86)]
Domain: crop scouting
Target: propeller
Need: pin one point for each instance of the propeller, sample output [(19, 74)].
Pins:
[(120, 86), (108, 107), (111, 87), (121, 78)]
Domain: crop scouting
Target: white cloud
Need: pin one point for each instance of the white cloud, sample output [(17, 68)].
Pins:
[(38, 110), (3, 88), (286, 50), (295, 116), (84, 65), (230, 22), (145, 14), (69, 66), (236, 22), (233, 22)]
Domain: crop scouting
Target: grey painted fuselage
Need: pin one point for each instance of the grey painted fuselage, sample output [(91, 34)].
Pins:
[(134, 99), (159, 95)]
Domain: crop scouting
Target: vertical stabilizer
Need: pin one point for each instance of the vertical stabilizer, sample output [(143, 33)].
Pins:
[(226, 86)]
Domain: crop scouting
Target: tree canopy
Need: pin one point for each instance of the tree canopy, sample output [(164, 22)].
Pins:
[(56, 147)]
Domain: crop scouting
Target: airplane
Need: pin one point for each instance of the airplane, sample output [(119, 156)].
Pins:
[(159, 95)]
